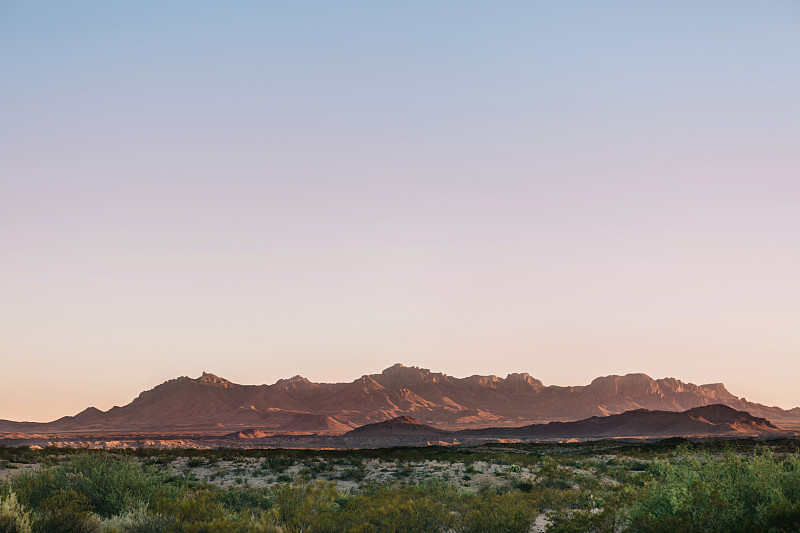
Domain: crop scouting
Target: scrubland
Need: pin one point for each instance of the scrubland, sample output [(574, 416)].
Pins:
[(670, 486)]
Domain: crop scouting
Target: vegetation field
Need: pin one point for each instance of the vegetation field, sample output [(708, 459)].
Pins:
[(606, 486)]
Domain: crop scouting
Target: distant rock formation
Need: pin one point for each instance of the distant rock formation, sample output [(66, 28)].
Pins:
[(709, 420), (700, 422), (399, 426), (215, 406)]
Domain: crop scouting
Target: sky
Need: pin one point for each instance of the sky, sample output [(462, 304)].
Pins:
[(265, 189)]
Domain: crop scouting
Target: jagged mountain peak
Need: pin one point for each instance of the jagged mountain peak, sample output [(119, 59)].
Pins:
[(719, 388), (397, 367), (294, 380), (636, 377), (524, 377), (211, 379), (399, 375)]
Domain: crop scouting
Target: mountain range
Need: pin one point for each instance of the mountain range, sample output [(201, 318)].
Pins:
[(212, 405), (707, 421)]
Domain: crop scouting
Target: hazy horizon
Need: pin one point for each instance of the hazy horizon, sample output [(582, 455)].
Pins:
[(261, 190)]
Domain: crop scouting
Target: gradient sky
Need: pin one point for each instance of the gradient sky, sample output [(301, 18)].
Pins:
[(259, 190)]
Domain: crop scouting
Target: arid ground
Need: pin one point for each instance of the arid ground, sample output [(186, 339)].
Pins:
[(602, 486)]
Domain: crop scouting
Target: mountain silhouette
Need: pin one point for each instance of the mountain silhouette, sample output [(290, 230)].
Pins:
[(212, 405)]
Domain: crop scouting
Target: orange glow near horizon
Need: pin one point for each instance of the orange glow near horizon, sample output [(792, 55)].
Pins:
[(276, 190)]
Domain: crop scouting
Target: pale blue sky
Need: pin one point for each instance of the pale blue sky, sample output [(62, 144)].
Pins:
[(259, 190)]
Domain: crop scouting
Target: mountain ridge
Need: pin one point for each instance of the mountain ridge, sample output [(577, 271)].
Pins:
[(210, 403), (707, 420)]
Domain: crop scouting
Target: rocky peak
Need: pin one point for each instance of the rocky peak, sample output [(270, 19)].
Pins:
[(216, 381), (718, 389), (524, 377), (398, 369), (395, 368), (293, 382), (627, 384), (399, 375), (370, 385)]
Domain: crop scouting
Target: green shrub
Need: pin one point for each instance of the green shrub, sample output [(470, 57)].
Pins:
[(411, 508), (524, 485), (246, 499), (278, 463), (357, 473), (134, 521), (302, 507), (109, 484), (65, 511), (497, 513), (14, 518), (583, 521), (692, 492), (699, 493), (193, 512)]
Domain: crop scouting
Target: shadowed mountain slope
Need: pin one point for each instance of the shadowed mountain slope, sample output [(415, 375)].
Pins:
[(402, 425), (709, 420)]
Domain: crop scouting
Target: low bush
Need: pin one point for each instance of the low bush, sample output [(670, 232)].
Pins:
[(65, 511), (735, 494), (14, 518), (104, 484), (690, 491)]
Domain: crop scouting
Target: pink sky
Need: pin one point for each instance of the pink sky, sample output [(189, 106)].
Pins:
[(569, 192)]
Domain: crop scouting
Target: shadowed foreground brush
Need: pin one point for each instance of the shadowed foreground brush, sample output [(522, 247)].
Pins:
[(644, 489)]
